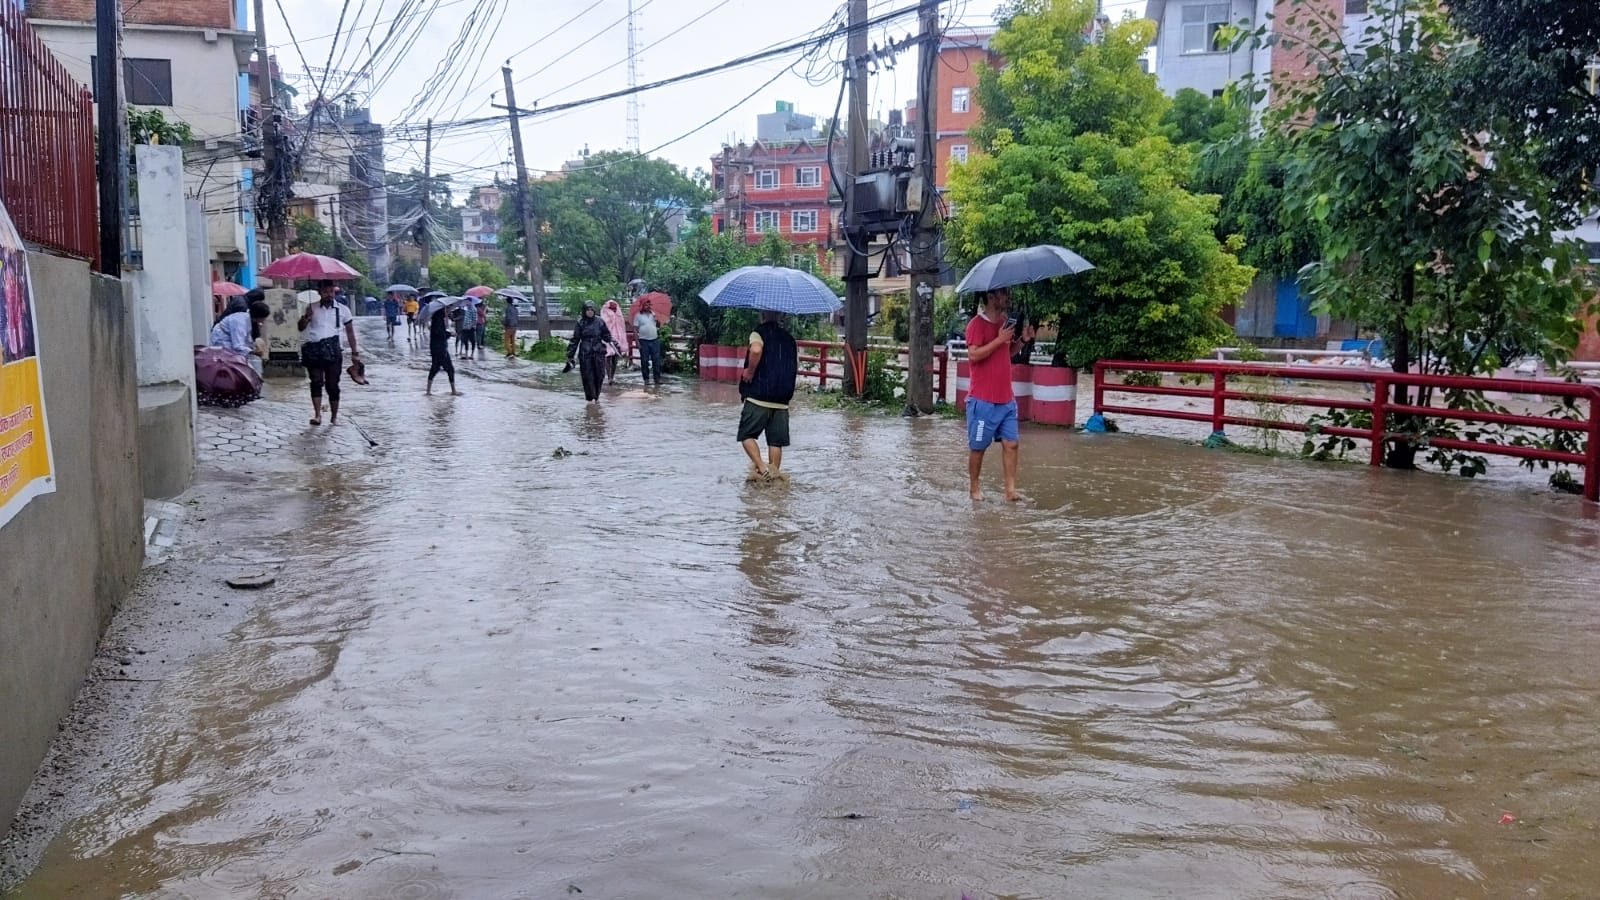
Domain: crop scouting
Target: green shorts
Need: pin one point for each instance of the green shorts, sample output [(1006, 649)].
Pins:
[(755, 420)]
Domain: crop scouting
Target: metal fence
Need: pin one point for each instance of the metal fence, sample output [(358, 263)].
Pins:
[(47, 153)]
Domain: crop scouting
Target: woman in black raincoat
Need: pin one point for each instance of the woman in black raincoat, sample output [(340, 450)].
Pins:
[(588, 349)]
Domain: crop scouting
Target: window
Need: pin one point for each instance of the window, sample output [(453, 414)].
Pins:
[(767, 180), (958, 153), (805, 262), (808, 176), (804, 220), (766, 221), (147, 82), (960, 99), (1201, 22), (1355, 7)]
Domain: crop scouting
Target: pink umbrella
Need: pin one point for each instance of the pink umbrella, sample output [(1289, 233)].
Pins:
[(224, 378), (228, 289), (479, 291), (309, 267)]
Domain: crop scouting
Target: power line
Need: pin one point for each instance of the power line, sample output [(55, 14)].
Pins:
[(742, 61)]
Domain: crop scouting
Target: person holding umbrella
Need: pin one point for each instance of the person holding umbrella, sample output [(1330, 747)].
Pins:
[(439, 347), (992, 342), (591, 340), (648, 331), (767, 383), (320, 351)]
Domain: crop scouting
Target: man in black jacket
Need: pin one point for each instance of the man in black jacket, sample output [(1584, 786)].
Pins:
[(767, 386)]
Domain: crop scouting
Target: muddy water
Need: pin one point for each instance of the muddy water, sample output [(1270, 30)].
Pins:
[(492, 673)]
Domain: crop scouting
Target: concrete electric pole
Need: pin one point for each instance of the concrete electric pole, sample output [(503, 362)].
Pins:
[(856, 262), (530, 222), (925, 237)]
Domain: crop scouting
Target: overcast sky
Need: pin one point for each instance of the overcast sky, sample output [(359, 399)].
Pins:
[(676, 36)]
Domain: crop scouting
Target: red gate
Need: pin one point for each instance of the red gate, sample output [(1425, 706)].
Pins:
[(47, 155)]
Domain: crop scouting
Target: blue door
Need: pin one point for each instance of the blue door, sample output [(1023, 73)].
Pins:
[(1292, 316)]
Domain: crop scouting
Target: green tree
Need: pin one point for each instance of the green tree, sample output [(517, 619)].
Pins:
[(1195, 119), (1529, 67), (1250, 173), (606, 222), (699, 260), (1440, 226), (1072, 154), (455, 274)]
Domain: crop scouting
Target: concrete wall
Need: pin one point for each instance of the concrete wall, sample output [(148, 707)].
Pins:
[(1204, 71), (69, 557)]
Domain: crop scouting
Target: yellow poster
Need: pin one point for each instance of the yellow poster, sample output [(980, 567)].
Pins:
[(27, 468)]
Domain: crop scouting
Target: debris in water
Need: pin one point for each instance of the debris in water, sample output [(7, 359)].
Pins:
[(1508, 819), (574, 889), (252, 581), (561, 453)]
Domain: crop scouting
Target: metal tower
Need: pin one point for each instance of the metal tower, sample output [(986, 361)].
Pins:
[(633, 79)]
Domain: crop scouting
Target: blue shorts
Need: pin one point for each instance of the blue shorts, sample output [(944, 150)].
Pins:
[(987, 422)]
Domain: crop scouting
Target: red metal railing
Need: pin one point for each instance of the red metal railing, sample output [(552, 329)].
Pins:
[(47, 155), (1380, 406), (827, 353)]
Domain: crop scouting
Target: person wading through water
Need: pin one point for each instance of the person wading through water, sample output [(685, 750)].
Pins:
[(767, 386), (320, 352), (588, 348), (439, 351)]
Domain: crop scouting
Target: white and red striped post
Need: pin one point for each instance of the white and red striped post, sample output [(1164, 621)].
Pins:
[(1055, 395)]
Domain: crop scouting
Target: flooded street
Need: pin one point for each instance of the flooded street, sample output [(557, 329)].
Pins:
[(488, 671)]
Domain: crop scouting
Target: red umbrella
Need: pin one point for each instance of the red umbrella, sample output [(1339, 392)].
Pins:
[(660, 304), (224, 378), (479, 291), (309, 267), (228, 289)]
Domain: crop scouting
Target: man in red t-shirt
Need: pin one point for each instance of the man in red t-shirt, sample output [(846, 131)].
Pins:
[(991, 406)]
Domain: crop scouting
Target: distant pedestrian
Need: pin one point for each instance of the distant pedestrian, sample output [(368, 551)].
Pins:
[(466, 329), (509, 321), (482, 334), (439, 351), (590, 345), (410, 307), (321, 352), (391, 314), (648, 331), (992, 339), (767, 386), (611, 314)]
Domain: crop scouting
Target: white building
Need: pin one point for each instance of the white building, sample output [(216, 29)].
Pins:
[(189, 63), (1192, 47)]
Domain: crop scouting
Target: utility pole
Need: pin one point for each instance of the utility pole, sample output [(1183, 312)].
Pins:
[(530, 224), (113, 166), (856, 272), (266, 99), (425, 237), (925, 237), (633, 78)]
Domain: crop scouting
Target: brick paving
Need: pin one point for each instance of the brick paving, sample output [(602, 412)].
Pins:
[(274, 429)]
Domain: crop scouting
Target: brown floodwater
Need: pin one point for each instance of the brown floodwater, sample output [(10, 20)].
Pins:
[(488, 672)]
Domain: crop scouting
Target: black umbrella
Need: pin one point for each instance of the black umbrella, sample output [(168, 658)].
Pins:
[(1023, 266)]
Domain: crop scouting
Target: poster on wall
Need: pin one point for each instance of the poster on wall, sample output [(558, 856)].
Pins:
[(27, 467)]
